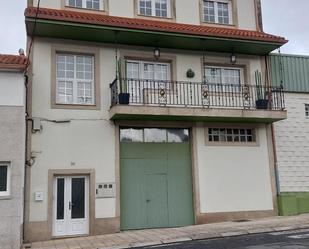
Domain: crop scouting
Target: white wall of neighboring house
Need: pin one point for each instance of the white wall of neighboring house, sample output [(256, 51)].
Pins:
[(234, 178), (12, 89), (186, 11), (12, 151), (292, 143)]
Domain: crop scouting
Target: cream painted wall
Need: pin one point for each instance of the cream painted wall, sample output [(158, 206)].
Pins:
[(246, 14), (124, 8), (233, 178), (54, 4), (89, 139), (12, 89), (186, 11)]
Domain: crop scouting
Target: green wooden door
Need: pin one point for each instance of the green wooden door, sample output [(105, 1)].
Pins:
[(156, 185), (156, 200)]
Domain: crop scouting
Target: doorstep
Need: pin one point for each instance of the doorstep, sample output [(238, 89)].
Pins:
[(150, 237)]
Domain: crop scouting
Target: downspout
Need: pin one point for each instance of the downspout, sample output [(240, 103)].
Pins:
[(27, 162)]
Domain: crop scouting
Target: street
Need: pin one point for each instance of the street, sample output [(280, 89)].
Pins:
[(295, 239)]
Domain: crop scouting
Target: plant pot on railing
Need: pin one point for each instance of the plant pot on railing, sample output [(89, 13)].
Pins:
[(262, 104), (124, 98)]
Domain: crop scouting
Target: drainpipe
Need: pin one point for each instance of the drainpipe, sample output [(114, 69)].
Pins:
[(26, 153)]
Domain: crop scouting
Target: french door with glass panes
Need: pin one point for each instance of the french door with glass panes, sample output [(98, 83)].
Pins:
[(71, 205), (228, 79), (145, 76)]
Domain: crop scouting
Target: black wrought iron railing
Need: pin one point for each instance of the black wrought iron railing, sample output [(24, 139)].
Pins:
[(195, 94)]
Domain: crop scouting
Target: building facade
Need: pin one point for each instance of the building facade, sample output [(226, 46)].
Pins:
[(292, 139), (148, 114), (12, 149)]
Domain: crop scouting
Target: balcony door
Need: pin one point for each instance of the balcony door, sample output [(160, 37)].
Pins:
[(71, 205), (227, 78), (144, 77)]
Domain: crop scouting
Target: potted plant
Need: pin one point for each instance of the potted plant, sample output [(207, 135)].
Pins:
[(123, 96), (262, 101)]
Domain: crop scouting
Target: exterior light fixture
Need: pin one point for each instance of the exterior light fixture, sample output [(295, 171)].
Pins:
[(156, 53), (233, 58)]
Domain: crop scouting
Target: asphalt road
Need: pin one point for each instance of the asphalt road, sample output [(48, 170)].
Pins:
[(295, 239)]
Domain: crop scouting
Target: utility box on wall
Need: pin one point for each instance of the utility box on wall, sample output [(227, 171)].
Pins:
[(106, 190)]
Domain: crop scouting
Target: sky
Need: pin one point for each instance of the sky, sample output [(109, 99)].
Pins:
[(279, 18)]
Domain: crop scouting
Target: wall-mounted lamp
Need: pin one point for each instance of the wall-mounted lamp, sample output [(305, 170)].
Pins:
[(233, 58), (156, 53)]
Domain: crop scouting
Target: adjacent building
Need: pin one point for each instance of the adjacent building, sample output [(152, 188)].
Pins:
[(292, 134), (148, 113), (12, 149)]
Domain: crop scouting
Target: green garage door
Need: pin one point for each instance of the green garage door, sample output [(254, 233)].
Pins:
[(156, 180)]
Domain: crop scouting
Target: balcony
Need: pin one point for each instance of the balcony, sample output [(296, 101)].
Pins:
[(136, 99)]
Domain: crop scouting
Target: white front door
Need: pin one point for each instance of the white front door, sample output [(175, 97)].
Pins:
[(71, 205)]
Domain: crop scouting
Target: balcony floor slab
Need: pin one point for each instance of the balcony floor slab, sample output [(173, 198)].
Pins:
[(163, 113)]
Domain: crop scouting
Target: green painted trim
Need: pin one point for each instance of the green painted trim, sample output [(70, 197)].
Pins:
[(192, 118), (293, 203), (100, 33)]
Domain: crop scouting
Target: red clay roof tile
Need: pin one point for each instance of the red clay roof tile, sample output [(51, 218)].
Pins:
[(150, 25), (13, 62)]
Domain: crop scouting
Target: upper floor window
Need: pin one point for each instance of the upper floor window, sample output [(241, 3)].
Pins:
[(219, 11), (307, 110), (75, 79), (5, 173), (157, 8), (86, 4)]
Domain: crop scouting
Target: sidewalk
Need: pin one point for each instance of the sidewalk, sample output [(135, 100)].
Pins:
[(149, 237)]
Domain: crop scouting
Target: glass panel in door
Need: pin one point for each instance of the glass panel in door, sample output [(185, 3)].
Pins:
[(60, 198), (132, 82), (78, 198)]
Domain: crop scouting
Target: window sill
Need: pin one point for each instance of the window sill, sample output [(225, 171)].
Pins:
[(156, 18), (232, 144), (74, 106), (214, 24), (85, 10), (6, 197)]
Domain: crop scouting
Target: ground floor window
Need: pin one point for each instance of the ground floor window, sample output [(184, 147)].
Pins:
[(154, 135), (5, 173), (232, 135)]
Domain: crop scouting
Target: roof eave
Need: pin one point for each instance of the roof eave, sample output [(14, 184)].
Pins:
[(232, 44)]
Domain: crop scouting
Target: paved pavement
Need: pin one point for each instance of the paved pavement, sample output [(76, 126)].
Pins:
[(151, 237), (292, 239)]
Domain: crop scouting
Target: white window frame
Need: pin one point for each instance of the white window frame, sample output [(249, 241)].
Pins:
[(242, 73), (8, 180), (230, 10), (254, 134), (75, 81), (84, 5), (141, 70), (153, 9)]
